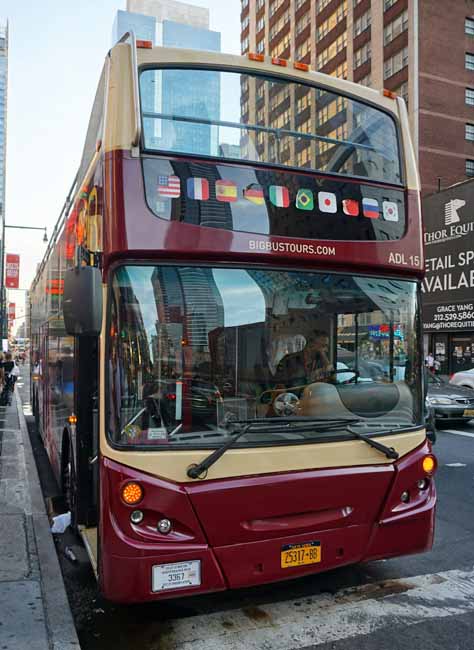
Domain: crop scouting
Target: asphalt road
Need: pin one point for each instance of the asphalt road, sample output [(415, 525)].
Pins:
[(423, 601)]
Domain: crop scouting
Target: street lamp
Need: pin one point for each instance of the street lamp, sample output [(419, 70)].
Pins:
[(45, 237)]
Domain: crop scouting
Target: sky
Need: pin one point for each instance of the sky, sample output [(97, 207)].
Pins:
[(57, 50)]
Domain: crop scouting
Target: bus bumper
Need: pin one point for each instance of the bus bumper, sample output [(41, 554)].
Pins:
[(129, 555)]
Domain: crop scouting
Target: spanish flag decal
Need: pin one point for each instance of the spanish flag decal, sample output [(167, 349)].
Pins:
[(226, 191)]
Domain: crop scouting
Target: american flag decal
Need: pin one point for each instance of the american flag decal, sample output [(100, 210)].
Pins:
[(169, 186)]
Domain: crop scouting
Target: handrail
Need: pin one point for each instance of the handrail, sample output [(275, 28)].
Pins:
[(136, 96), (277, 132)]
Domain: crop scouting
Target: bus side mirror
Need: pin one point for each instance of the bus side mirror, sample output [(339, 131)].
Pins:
[(82, 301)]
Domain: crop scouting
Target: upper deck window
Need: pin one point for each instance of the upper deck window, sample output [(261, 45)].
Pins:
[(264, 120)]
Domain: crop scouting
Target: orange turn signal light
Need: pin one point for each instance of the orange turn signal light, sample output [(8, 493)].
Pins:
[(253, 56), (132, 493), (72, 419), (301, 66), (389, 93), (429, 464), (147, 45), (277, 61)]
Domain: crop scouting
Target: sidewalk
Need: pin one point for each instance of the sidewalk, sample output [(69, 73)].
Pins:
[(34, 610)]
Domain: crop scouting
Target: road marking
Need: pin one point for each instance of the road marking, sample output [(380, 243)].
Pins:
[(456, 465), (326, 618), (458, 433)]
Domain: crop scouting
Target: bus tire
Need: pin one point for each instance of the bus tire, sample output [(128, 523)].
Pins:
[(68, 479)]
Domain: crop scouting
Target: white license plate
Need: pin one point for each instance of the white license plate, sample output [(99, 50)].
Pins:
[(176, 575)]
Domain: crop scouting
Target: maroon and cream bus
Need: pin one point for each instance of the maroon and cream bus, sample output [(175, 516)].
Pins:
[(226, 327)]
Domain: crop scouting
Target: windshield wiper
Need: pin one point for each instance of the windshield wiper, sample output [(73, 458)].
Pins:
[(278, 425), (390, 452), (267, 425)]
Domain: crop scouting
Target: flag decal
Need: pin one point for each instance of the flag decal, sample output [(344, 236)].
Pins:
[(279, 196), (226, 191), (370, 208), (304, 200), (327, 202), (169, 187), (198, 189)]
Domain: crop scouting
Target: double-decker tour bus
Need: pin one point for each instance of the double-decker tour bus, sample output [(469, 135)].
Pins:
[(226, 327)]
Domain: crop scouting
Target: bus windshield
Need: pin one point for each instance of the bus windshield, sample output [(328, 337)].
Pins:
[(194, 349), (240, 116)]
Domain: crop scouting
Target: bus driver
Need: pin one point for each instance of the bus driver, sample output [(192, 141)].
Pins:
[(310, 365)]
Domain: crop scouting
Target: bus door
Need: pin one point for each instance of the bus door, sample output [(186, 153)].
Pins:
[(43, 384), (87, 391)]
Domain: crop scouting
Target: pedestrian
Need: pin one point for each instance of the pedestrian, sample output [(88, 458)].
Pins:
[(11, 372), (429, 362)]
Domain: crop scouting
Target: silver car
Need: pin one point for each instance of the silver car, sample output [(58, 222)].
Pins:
[(463, 378), (449, 402)]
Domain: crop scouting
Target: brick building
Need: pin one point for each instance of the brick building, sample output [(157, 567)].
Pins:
[(421, 49)]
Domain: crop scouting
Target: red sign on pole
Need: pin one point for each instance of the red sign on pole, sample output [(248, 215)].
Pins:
[(12, 274), (11, 314)]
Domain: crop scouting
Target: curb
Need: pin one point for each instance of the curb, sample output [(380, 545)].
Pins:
[(61, 631)]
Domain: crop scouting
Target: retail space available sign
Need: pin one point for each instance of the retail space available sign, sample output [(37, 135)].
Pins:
[(448, 287), (12, 271)]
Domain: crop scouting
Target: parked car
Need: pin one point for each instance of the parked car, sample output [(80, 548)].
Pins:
[(463, 378), (449, 402)]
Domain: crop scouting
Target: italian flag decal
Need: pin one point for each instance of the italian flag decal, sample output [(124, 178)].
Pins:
[(279, 196)]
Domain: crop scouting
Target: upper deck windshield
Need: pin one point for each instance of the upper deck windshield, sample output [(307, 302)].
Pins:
[(193, 349), (240, 116)]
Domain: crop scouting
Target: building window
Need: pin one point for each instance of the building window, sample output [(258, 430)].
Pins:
[(245, 4), (245, 23), (281, 46), (302, 50), (260, 24), (469, 132), (321, 4), (470, 96), (469, 167), (469, 26), (402, 91), (362, 23), (340, 72), (274, 6), (388, 3), (365, 81), (362, 55), (396, 63), (261, 46), (395, 28), (331, 51), (245, 45), (299, 4), (469, 61), (331, 22), (302, 23), (280, 24)]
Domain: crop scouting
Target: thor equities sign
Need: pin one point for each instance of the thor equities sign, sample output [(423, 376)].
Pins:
[(12, 273), (448, 287)]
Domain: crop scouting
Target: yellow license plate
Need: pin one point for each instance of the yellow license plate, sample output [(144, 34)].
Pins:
[(300, 554), (469, 413)]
